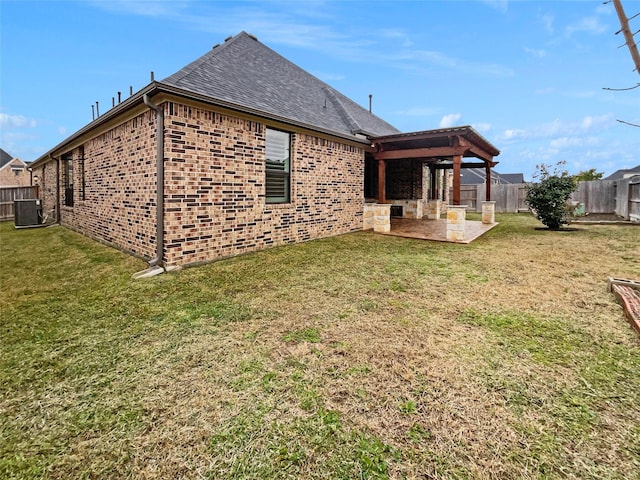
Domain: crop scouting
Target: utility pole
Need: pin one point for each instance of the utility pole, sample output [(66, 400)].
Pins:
[(628, 36)]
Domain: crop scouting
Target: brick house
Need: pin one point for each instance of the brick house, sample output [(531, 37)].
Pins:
[(238, 151), (13, 171)]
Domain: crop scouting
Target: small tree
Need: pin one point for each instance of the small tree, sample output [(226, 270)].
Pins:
[(548, 197), (588, 175)]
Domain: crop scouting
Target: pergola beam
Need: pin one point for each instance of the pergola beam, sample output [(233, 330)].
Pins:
[(425, 152), (449, 166)]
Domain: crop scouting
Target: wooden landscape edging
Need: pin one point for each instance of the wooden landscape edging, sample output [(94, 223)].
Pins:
[(627, 292)]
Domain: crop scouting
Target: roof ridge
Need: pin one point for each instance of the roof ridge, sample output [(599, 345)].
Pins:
[(342, 110), (205, 58), (246, 73)]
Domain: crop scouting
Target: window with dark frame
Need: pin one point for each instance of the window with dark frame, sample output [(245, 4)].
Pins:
[(278, 166), (68, 180)]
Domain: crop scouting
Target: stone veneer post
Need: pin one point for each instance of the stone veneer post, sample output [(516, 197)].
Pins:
[(456, 219), (382, 218), (368, 216), (434, 209), (489, 212)]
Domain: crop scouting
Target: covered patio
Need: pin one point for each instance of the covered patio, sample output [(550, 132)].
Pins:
[(417, 175)]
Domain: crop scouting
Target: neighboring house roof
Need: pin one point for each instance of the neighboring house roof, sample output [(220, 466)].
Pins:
[(244, 72), (623, 173), (474, 176), (511, 177), (4, 158)]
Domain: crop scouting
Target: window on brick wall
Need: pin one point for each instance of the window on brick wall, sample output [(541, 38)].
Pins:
[(277, 166), (67, 161)]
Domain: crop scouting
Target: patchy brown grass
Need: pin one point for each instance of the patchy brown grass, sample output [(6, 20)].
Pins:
[(360, 356)]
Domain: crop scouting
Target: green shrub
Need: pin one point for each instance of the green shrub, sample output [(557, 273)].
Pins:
[(548, 197)]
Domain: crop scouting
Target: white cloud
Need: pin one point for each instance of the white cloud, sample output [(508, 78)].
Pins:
[(605, 9), (545, 91), (559, 128), (416, 58), (535, 52), (419, 112), (512, 133), (147, 8), (581, 93), (450, 120), (482, 127), (570, 142), (547, 20), (590, 25), (397, 35), (500, 5), (16, 121)]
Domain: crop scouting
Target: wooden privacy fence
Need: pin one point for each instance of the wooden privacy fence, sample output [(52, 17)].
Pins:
[(9, 194), (509, 198), (634, 201), (598, 196)]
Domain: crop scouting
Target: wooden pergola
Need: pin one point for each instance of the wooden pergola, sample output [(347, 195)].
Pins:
[(443, 148)]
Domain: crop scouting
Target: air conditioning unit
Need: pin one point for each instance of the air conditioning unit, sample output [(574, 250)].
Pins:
[(28, 213)]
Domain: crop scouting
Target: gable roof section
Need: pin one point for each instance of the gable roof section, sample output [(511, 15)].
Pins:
[(619, 174), (4, 158), (475, 176), (246, 73), (512, 177)]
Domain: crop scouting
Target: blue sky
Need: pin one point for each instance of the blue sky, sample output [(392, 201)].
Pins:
[(528, 75)]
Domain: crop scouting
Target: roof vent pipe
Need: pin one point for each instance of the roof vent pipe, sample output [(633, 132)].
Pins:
[(119, 97), (93, 112), (370, 102), (97, 109), (113, 102), (130, 90), (152, 77)]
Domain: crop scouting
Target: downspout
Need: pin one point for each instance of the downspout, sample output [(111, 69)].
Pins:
[(58, 212), (156, 264)]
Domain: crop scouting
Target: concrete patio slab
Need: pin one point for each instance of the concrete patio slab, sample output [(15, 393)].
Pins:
[(435, 230)]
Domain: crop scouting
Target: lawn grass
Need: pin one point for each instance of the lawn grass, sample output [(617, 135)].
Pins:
[(359, 356)]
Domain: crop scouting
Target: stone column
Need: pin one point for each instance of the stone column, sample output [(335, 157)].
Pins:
[(489, 212), (434, 209), (367, 218), (456, 219), (382, 218)]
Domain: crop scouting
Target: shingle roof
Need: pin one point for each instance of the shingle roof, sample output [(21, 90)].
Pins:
[(511, 177), (4, 158), (474, 176), (618, 174), (246, 73)]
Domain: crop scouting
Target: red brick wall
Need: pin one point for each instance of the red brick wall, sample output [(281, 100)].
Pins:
[(18, 177), (117, 204), (214, 187), (215, 203)]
